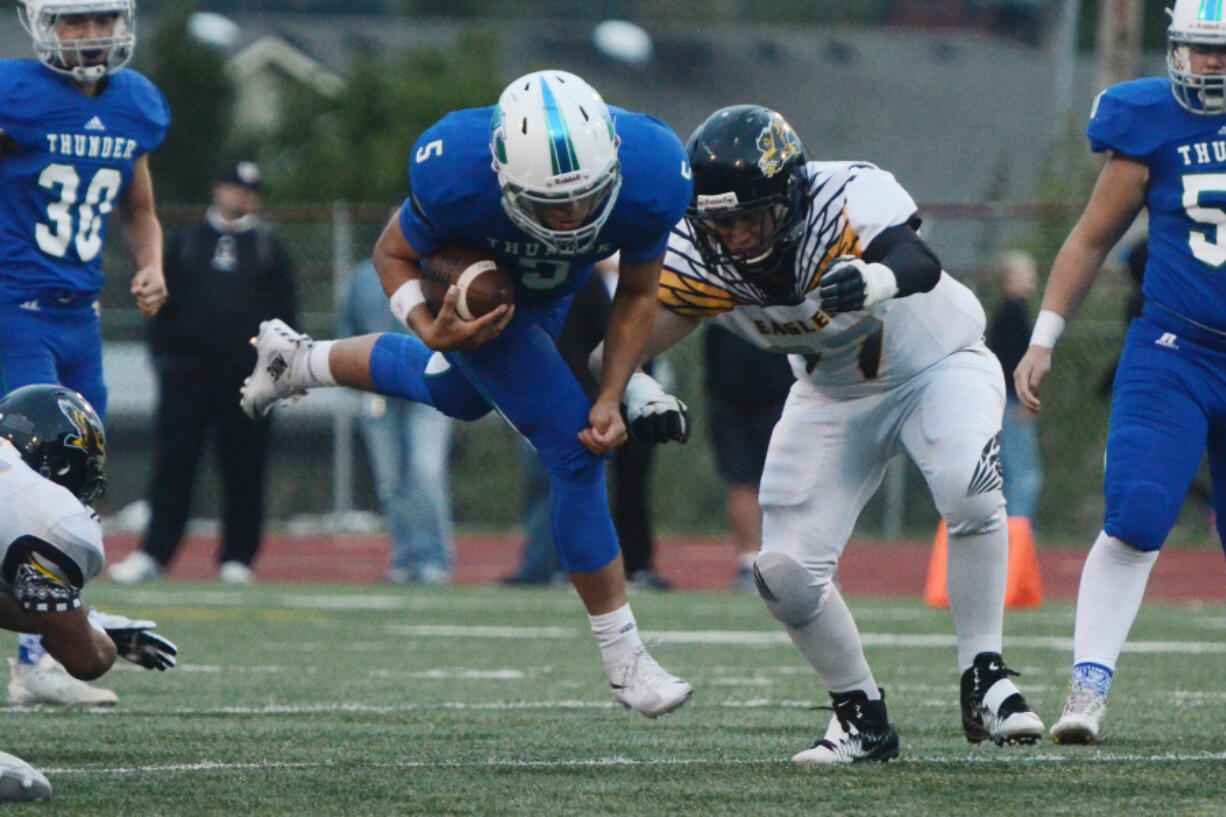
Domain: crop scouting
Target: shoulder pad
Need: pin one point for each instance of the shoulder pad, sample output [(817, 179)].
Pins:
[(1132, 118)]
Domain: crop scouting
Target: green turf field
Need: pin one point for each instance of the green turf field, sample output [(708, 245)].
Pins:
[(294, 700)]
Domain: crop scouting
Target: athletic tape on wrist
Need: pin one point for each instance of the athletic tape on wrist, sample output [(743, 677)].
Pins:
[(1047, 329), (405, 299)]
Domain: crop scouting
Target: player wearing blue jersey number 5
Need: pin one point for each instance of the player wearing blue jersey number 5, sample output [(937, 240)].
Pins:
[(572, 181), (1165, 152), (75, 128)]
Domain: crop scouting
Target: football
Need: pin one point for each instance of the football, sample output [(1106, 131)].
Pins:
[(484, 283)]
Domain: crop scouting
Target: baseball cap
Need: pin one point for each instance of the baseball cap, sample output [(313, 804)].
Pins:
[(246, 174)]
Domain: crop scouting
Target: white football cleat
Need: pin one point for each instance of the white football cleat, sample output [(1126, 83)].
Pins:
[(1083, 718), (47, 682), (138, 566), (639, 683), (21, 782), (235, 573), (277, 347)]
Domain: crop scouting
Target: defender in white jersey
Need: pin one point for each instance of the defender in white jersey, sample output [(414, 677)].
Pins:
[(821, 261), (52, 452)]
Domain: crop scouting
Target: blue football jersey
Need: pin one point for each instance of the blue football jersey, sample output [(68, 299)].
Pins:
[(1186, 157), (69, 158), (455, 198)]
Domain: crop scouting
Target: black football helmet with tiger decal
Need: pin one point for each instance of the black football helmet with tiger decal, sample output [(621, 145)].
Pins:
[(59, 435), (748, 167)]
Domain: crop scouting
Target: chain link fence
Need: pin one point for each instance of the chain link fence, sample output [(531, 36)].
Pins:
[(318, 471)]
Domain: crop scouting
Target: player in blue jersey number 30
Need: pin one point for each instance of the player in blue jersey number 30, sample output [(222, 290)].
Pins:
[(573, 181), (1165, 152), (75, 131)]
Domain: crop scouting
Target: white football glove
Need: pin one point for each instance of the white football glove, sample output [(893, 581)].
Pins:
[(653, 415), (850, 285), (135, 640)]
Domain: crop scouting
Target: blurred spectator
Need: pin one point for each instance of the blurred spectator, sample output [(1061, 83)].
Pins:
[(225, 273), (407, 446), (1008, 338), (631, 463), (746, 388)]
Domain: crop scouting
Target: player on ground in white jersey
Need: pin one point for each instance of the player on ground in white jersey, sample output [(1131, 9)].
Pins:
[(52, 453), (821, 261)]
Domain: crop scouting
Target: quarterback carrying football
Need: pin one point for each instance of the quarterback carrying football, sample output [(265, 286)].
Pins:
[(573, 181)]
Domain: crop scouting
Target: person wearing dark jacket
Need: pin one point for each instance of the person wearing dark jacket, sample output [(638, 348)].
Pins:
[(226, 273)]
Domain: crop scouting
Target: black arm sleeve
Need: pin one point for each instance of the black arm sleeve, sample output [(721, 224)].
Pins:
[(915, 266)]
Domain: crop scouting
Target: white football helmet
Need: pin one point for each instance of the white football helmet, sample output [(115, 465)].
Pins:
[(85, 60), (555, 153), (1196, 22)]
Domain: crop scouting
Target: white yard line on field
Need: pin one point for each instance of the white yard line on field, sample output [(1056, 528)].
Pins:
[(1001, 759), (776, 638)]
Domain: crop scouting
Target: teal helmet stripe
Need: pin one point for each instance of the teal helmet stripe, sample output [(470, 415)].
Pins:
[(561, 148), (1211, 10)]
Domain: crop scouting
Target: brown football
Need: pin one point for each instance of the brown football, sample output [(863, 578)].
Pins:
[(484, 283)]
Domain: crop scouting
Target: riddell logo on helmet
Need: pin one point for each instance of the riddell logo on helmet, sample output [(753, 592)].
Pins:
[(721, 201), (566, 179)]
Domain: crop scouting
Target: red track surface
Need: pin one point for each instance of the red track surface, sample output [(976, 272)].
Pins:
[(867, 568)]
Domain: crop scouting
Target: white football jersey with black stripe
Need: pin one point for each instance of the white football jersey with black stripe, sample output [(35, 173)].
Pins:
[(33, 506), (864, 352)]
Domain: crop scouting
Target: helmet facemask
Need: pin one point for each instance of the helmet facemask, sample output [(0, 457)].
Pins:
[(554, 149), (1190, 30), (777, 222), (547, 217), (86, 60)]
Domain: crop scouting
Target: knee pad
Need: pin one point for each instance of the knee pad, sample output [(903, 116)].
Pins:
[(792, 593), (1140, 513), (981, 513)]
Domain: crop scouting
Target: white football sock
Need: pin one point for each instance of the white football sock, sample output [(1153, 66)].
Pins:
[(311, 370), (1108, 599), (617, 635), (976, 570), (831, 644)]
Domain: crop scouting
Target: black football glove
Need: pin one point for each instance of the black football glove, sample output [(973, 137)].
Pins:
[(652, 415), (850, 285), (136, 641)]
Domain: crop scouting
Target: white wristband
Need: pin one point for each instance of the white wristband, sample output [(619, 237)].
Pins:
[(1047, 329), (879, 284), (405, 299)]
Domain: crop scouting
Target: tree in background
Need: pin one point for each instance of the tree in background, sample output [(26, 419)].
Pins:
[(192, 76), (356, 145)]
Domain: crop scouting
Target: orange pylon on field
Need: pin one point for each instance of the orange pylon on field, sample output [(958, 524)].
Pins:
[(1022, 588)]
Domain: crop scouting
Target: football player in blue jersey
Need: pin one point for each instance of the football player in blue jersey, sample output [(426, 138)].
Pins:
[(75, 131), (549, 180), (1165, 148)]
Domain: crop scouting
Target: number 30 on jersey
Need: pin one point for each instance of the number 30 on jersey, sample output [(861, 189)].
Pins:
[(87, 213)]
